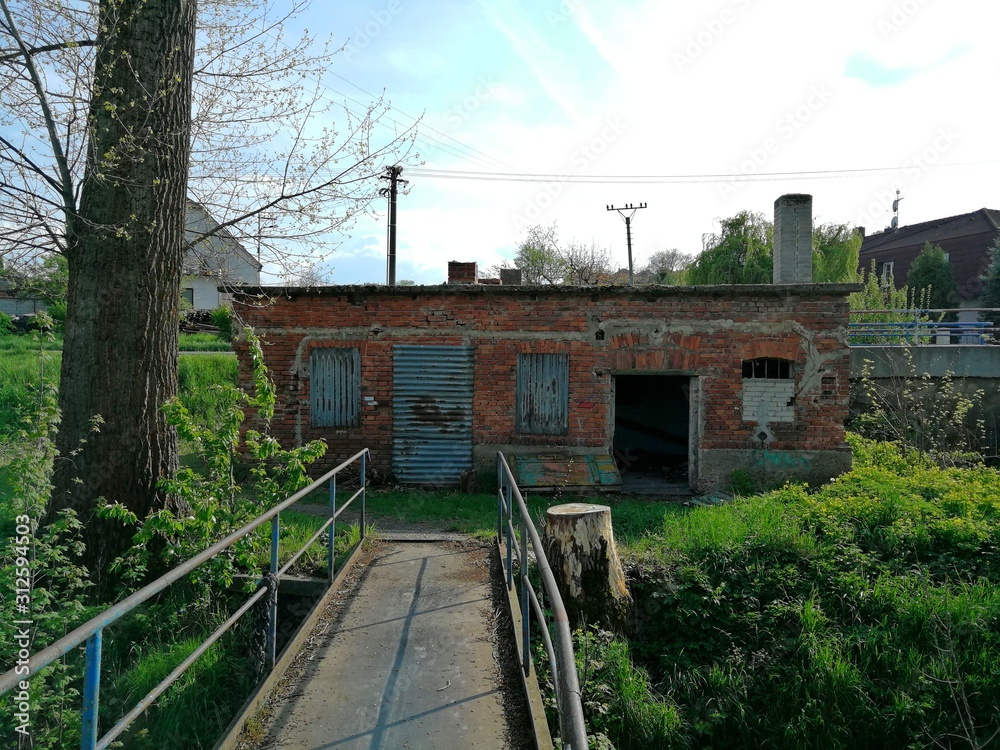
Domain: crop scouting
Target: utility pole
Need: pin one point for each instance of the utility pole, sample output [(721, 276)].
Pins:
[(628, 233), (392, 175)]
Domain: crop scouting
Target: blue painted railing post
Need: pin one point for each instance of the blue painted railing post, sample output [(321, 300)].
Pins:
[(525, 612), (364, 491), (91, 691), (500, 484), (272, 598), (508, 526), (333, 526)]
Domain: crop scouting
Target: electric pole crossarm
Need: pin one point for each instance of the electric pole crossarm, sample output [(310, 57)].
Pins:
[(628, 232), (392, 175)]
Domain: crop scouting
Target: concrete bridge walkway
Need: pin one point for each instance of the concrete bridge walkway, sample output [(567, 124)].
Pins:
[(410, 664)]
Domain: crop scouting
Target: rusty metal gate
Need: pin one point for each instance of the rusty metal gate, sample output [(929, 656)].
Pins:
[(431, 413)]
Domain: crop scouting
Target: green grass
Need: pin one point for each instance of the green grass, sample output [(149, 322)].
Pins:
[(849, 616), (476, 514), (203, 342)]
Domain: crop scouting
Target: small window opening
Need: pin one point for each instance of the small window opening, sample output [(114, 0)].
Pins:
[(767, 367)]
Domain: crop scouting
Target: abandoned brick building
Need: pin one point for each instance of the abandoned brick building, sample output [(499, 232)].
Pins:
[(698, 381)]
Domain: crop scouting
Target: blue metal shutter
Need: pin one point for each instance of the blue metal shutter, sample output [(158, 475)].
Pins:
[(335, 387), (543, 394), (432, 413)]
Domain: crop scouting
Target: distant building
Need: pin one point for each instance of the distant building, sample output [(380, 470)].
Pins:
[(966, 240), (219, 260), (686, 382), (13, 304)]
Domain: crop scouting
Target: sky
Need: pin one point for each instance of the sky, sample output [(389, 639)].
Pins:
[(698, 110)]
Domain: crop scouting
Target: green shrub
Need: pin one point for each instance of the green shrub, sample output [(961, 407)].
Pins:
[(861, 614), (6, 324), (222, 318)]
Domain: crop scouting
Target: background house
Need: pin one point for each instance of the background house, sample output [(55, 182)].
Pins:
[(211, 262), (966, 240)]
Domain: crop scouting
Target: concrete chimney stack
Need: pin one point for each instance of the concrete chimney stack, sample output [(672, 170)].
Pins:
[(793, 239)]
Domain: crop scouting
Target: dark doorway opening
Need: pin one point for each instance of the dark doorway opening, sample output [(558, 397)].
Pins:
[(652, 431)]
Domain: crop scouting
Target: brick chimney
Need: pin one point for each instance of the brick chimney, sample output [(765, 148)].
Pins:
[(462, 273), (510, 276), (793, 239)]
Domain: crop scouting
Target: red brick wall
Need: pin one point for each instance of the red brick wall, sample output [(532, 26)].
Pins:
[(703, 331)]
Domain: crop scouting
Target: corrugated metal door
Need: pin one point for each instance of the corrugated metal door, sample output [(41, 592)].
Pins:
[(431, 413), (543, 394)]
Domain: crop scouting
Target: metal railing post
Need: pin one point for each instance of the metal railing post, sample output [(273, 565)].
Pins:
[(525, 611), (364, 492), (333, 526), (91, 691), (272, 598), (500, 484), (508, 530)]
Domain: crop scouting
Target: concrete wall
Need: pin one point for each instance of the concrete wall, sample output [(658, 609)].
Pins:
[(975, 372), (701, 332), (959, 361)]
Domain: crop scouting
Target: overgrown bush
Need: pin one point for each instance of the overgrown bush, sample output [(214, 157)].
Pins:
[(928, 416), (222, 318), (861, 615)]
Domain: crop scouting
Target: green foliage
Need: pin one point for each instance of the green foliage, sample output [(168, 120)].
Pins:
[(207, 505), (203, 342), (740, 253), (835, 253), (990, 296), (48, 280), (859, 615), (57, 310), (222, 318), (46, 559), (539, 258), (930, 417), (932, 272), (886, 305), (6, 324)]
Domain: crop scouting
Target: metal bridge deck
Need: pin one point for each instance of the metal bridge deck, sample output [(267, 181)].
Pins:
[(410, 664)]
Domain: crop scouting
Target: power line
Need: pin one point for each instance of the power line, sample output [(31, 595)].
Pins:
[(437, 142), (435, 173)]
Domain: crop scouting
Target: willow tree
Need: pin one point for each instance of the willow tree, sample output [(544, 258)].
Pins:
[(112, 101)]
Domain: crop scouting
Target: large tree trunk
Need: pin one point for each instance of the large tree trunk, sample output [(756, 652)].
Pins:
[(125, 249), (580, 547)]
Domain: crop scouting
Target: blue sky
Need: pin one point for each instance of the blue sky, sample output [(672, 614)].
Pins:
[(587, 89)]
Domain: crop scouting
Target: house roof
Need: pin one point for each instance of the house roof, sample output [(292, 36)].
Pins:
[(232, 244), (967, 238)]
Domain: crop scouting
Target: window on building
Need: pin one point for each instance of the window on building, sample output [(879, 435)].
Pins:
[(768, 391), (885, 272), (187, 294), (543, 394), (767, 367), (335, 387)]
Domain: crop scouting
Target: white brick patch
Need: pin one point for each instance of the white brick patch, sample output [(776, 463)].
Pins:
[(766, 401)]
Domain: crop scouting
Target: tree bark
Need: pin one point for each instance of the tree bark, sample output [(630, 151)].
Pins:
[(580, 547), (125, 249)]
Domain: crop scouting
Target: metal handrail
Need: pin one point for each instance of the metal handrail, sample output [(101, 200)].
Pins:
[(92, 630), (562, 662)]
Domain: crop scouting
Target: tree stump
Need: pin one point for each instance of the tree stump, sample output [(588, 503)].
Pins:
[(580, 546)]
